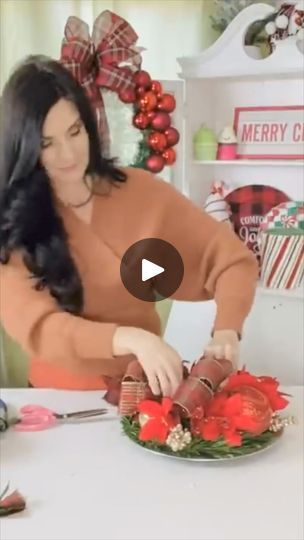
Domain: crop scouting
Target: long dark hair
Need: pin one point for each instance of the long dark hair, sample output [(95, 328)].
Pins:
[(29, 220)]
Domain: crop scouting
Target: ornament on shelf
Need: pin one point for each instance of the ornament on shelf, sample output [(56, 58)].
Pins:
[(249, 204), (110, 62), (216, 204), (204, 144), (282, 246), (227, 144), (286, 22)]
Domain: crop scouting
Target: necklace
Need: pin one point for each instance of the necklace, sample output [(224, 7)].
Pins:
[(78, 205)]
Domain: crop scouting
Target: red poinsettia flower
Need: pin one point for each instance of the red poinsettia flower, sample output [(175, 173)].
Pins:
[(232, 436), (196, 420), (160, 420), (12, 503), (211, 429), (222, 420), (267, 385)]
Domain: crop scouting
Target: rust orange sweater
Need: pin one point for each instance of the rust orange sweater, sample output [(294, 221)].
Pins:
[(67, 351)]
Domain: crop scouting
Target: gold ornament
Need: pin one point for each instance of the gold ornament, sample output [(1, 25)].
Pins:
[(178, 438), (279, 422)]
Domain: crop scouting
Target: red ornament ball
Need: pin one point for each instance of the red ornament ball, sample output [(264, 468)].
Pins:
[(255, 405), (142, 78), (141, 121), (155, 163), (127, 95), (148, 102), (169, 156), (161, 121), (157, 141), (156, 87), (151, 115), (140, 91), (172, 136), (166, 103)]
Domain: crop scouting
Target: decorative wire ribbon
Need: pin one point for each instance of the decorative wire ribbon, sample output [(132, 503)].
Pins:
[(95, 61), (196, 389)]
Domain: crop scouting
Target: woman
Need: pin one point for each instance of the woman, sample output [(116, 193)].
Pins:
[(68, 216)]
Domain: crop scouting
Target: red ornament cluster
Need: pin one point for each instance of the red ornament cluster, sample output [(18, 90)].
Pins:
[(152, 113)]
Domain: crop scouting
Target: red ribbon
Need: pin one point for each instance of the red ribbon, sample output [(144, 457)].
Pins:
[(196, 389), (95, 61)]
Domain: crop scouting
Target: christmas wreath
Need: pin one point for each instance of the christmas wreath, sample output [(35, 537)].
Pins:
[(132, 111), (215, 414)]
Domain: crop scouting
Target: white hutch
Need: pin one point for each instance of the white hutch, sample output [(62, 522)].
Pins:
[(215, 82)]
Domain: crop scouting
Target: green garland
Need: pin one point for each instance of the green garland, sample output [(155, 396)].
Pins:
[(143, 152), (199, 448)]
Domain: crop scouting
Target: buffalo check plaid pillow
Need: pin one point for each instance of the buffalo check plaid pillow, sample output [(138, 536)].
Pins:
[(248, 205)]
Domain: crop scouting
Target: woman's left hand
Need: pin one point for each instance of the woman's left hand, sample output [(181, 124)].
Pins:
[(224, 344)]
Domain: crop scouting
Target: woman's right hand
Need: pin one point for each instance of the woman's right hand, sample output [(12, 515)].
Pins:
[(160, 362)]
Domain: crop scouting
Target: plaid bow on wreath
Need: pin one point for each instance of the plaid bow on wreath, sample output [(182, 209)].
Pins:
[(95, 61)]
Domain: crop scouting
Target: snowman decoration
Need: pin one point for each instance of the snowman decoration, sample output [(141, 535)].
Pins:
[(289, 21)]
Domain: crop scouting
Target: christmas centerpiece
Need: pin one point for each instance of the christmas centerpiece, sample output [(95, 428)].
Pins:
[(214, 414)]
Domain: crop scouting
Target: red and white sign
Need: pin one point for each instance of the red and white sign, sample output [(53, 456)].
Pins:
[(270, 132)]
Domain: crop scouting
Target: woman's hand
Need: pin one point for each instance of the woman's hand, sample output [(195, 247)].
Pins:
[(224, 344), (160, 362)]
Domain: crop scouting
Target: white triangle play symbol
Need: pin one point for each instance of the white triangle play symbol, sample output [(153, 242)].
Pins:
[(150, 269)]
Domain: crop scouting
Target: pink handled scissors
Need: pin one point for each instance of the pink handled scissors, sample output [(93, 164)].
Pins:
[(37, 418)]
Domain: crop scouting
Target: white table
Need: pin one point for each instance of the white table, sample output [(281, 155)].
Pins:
[(88, 482)]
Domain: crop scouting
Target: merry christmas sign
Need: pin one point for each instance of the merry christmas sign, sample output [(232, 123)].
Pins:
[(270, 132)]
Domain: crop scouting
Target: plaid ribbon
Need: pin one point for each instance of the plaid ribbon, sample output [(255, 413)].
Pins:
[(95, 61), (196, 389)]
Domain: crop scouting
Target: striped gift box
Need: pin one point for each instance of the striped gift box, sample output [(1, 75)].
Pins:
[(282, 246), (282, 261)]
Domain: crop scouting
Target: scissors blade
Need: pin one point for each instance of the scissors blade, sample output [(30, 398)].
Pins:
[(82, 414)]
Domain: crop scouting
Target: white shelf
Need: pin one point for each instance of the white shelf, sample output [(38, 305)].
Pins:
[(253, 162), (228, 58), (297, 294)]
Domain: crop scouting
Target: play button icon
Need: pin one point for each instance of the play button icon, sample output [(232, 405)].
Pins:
[(151, 269)]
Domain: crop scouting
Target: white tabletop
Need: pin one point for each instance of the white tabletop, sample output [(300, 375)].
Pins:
[(88, 482)]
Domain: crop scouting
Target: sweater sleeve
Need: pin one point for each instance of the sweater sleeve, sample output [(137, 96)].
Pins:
[(217, 265), (34, 319)]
